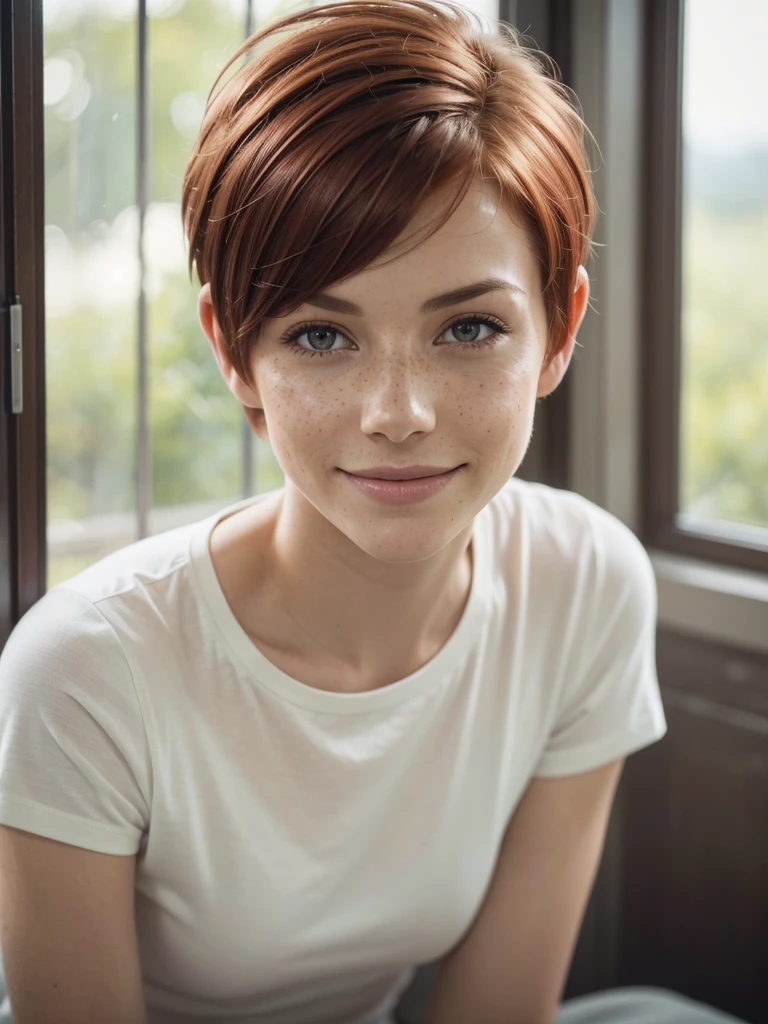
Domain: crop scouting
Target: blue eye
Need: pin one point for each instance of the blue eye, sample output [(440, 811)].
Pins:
[(497, 327)]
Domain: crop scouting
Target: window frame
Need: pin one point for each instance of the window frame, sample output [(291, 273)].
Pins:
[(661, 310), (613, 404), (22, 279), (548, 457)]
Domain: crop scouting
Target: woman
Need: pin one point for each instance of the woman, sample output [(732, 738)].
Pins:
[(258, 768)]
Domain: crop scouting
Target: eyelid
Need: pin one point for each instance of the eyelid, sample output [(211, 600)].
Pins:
[(309, 325)]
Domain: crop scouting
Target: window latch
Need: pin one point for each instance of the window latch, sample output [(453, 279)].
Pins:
[(17, 381)]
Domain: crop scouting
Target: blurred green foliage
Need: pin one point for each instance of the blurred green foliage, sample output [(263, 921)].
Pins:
[(724, 370), (197, 426)]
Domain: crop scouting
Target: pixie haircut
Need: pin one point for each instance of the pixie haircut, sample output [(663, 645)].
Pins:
[(316, 154)]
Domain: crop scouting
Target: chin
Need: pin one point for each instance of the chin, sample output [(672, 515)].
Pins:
[(404, 539)]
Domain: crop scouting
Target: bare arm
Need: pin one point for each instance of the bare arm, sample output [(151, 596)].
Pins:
[(67, 932), (511, 966)]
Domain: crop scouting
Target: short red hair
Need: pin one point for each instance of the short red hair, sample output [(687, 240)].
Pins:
[(314, 156)]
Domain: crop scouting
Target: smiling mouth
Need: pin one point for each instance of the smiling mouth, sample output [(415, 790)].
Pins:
[(402, 476)]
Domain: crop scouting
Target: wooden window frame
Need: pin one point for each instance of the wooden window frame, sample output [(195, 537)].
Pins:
[(661, 310), (22, 258), (547, 25)]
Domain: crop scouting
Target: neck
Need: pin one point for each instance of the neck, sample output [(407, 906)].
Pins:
[(355, 619)]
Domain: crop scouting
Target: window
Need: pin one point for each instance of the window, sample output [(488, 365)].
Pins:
[(142, 432), (724, 421), (707, 259)]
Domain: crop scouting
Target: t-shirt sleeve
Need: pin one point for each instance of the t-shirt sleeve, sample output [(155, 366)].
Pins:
[(74, 759), (610, 705)]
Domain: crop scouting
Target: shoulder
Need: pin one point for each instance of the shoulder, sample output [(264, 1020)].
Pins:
[(63, 639), (563, 536), (99, 631), (78, 627), (136, 565), (556, 510), (71, 616)]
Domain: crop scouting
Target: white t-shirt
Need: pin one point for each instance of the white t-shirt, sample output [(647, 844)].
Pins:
[(300, 851)]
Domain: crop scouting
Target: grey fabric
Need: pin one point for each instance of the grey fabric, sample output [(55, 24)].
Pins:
[(636, 1005), (639, 1005), (412, 1008)]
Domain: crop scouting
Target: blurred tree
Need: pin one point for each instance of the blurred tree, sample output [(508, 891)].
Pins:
[(724, 400), (92, 264)]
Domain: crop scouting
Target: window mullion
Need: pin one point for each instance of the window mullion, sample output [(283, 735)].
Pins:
[(144, 168)]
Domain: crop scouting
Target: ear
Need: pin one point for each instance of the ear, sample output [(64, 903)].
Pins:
[(246, 395), (553, 372)]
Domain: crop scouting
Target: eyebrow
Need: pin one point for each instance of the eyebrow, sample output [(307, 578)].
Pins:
[(469, 291)]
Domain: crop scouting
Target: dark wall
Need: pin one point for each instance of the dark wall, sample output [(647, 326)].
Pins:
[(694, 889)]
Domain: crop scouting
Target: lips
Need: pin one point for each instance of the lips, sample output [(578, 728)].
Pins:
[(399, 491), (402, 473)]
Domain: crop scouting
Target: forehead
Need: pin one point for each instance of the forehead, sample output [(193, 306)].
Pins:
[(481, 238)]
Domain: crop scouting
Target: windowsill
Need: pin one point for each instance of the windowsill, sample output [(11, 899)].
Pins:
[(712, 601)]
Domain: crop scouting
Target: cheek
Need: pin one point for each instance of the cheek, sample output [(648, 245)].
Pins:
[(288, 400), (499, 417), (300, 414), (503, 400)]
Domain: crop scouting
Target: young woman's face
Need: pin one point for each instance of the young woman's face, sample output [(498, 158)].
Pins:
[(399, 384)]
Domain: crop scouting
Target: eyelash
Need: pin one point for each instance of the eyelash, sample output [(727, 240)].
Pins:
[(290, 338)]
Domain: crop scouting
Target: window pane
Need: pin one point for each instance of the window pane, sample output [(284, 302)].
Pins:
[(91, 276), (724, 399), (92, 279), (196, 423)]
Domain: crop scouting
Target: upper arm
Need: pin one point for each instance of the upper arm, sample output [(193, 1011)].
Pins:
[(67, 932), (512, 964)]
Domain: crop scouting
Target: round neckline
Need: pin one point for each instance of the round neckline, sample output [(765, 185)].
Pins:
[(441, 666)]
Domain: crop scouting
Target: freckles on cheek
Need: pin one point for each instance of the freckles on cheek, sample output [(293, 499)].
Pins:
[(504, 395), (302, 419), (319, 401), (499, 412), (285, 398)]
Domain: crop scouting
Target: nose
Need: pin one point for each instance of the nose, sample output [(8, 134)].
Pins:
[(397, 400)]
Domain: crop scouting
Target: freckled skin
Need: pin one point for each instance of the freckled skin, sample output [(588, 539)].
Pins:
[(341, 591)]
